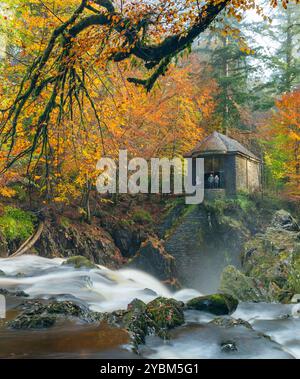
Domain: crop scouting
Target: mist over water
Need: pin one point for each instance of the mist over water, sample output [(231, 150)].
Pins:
[(105, 290)]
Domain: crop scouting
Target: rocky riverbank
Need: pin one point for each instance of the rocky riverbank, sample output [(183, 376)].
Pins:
[(72, 308), (140, 320), (270, 264), (255, 240)]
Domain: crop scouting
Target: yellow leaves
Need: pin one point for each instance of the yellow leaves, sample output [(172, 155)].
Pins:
[(295, 136), (282, 132), (7, 192), (168, 121), (151, 125), (246, 50)]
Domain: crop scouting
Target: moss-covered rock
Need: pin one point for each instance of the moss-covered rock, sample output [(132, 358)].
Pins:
[(79, 262), (273, 259), (2, 273), (270, 264), (233, 282), (25, 321), (218, 304), (229, 322), (141, 320), (137, 321), (36, 314), (284, 220), (67, 308), (166, 313), (136, 305)]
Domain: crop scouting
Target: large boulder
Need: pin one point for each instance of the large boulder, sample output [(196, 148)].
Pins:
[(270, 264), (218, 304), (242, 287), (141, 320), (284, 220), (32, 321), (273, 259), (72, 238), (35, 314), (128, 241), (153, 258), (166, 313)]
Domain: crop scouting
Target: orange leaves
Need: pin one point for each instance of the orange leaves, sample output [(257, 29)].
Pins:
[(7, 192), (289, 109), (94, 110), (164, 122), (283, 132)]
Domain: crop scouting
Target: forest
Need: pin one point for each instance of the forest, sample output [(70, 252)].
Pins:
[(81, 80), (82, 104)]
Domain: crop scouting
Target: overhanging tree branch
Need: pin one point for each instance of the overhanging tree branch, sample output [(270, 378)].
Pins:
[(63, 39)]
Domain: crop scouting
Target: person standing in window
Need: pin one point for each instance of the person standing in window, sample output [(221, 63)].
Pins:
[(210, 181), (217, 181)]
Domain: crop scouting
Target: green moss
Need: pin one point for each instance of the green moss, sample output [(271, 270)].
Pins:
[(32, 322), (228, 322), (166, 313), (274, 261), (240, 286), (241, 205), (125, 223), (16, 224), (65, 222), (66, 308), (294, 275), (79, 262), (142, 216), (245, 203), (218, 304)]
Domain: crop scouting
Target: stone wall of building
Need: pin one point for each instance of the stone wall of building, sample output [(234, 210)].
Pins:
[(254, 176), (230, 176), (241, 173), (248, 175), (185, 243), (202, 243)]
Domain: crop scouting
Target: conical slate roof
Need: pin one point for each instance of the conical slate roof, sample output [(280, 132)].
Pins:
[(217, 143)]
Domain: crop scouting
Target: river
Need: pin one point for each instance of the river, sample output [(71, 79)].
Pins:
[(102, 289)]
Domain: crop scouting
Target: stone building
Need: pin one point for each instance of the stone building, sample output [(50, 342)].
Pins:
[(229, 166)]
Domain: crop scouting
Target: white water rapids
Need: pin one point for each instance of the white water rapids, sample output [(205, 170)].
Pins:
[(106, 290)]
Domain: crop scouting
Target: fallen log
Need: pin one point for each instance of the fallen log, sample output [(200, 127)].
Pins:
[(29, 243)]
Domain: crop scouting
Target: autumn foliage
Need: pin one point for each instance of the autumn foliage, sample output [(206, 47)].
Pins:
[(82, 79), (281, 133)]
